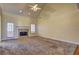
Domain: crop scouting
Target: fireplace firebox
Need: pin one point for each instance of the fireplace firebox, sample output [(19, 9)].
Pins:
[(23, 33)]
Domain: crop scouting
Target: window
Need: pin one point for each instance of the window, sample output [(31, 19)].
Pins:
[(32, 28), (9, 26), (10, 29)]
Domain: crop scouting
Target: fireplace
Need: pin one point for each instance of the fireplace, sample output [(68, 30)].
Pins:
[(23, 30), (23, 33)]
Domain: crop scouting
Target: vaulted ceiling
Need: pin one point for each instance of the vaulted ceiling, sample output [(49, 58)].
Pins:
[(15, 8)]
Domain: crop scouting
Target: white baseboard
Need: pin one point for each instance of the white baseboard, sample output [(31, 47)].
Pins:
[(60, 39)]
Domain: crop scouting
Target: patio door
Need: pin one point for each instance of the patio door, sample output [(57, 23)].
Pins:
[(10, 30)]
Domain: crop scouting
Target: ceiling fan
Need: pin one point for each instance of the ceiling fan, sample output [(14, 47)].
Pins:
[(35, 7)]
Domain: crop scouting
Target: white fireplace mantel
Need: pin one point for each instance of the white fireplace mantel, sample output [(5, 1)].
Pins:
[(23, 28)]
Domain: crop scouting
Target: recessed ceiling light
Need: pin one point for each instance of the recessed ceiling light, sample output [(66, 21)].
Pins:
[(20, 11)]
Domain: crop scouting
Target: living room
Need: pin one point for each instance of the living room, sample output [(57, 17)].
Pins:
[(39, 27)]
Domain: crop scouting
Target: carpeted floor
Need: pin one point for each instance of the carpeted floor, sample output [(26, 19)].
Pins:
[(36, 46)]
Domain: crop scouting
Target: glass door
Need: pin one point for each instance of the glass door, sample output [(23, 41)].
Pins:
[(10, 30)]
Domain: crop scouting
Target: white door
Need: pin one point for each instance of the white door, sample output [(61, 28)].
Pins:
[(10, 30)]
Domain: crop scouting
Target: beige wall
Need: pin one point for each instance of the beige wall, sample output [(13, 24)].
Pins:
[(23, 21), (0, 28), (20, 20), (60, 22), (0, 21)]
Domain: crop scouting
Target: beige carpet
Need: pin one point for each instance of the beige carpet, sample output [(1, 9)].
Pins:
[(36, 46)]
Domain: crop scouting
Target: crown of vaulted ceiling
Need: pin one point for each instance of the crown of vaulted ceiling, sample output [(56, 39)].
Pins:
[(21, 8)]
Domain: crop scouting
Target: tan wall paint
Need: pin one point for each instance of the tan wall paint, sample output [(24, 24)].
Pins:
[(0, 28), (0, 21), (23, 21), (20, 20), (59, 21)]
